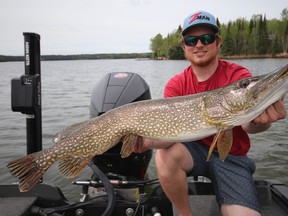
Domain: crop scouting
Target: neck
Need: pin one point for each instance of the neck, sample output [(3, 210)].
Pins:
[(204, 73)]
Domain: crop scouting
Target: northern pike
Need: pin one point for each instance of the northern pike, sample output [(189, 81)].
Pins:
[(184, 118)]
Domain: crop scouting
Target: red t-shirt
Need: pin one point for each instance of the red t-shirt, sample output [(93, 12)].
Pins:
[(186, 83)]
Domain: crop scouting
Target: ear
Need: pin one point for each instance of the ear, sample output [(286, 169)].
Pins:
[(219, 42)]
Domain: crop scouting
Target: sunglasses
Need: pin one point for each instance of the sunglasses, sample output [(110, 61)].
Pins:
[(205, 39)]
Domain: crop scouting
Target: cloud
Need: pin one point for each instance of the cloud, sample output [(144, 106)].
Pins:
[(139, 2)]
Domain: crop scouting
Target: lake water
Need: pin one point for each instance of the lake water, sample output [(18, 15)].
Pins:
[(66, 92)]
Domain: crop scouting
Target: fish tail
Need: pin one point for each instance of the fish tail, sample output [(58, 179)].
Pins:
[(27, 170)]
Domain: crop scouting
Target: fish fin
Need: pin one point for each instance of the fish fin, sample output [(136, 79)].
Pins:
[(27, 171), (67, 131), (212, 146), (224, 143), (128, 144), (71, 167)]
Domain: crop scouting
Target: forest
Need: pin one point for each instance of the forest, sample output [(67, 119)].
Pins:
[(254, 38)]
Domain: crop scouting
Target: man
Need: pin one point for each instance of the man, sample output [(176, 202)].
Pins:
[(232, 180)]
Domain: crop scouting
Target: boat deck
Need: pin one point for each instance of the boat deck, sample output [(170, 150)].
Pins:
[(207, 205), (15, 206), (273, 197)]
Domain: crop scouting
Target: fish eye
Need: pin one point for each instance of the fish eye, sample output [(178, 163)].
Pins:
[(244, 83)]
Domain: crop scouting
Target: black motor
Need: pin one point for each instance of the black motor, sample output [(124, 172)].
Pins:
[(114, 90)]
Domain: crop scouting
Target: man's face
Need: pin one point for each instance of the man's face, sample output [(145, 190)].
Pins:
[(201, 55)]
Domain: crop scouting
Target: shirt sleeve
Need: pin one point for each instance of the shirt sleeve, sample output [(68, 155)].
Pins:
[(172, 88), (240, 73)]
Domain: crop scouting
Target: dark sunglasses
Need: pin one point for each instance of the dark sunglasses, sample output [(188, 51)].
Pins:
[(205, 39)]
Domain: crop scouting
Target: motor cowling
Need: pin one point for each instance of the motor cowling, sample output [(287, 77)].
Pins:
[(114, 90)]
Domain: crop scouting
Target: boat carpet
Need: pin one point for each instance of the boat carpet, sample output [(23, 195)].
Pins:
[(202, 205), (15, 206), (207, 205)]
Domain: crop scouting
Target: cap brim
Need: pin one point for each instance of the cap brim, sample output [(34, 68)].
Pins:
[(216, 29)]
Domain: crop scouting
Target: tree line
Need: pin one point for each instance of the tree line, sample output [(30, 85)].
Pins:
[(257, 37)]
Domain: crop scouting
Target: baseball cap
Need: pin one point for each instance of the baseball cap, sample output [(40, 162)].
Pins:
[(200, 18)]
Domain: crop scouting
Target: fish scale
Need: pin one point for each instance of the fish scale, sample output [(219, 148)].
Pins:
[(184, 118)]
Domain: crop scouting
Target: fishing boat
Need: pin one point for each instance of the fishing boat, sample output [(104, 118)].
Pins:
[(118, 186)]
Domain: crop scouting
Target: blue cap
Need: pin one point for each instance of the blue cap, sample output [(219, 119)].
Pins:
[(200, 18)]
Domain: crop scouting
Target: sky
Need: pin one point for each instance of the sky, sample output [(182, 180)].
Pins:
[(111, 26)]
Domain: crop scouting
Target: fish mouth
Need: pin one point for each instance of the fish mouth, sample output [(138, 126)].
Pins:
[(274, 83), (269, 89), (251, 97)]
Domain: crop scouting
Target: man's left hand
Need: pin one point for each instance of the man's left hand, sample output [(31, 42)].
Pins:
[(273, 113)]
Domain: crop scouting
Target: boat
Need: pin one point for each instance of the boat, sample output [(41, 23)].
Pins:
[(118, 186)]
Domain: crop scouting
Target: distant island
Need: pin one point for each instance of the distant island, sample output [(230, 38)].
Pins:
[(4, 58), (136, 56)]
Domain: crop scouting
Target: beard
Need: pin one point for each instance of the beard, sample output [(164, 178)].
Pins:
[(201, 62)]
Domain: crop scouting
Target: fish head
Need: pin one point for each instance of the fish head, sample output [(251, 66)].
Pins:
[(271, 87), (244, 100)]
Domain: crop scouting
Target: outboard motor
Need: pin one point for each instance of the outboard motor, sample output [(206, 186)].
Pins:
[(114, 90)]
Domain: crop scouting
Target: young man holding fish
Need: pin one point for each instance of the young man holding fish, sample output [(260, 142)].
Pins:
[(232, 179)]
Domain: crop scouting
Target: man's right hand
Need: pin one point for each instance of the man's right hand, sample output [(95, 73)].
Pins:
[(143, 144)]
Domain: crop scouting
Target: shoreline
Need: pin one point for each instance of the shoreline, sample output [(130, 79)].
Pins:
[(137, 56), (281, 55)]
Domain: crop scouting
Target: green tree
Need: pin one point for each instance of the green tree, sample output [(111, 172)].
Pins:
[(284, 14), (228, 42), (263, 39), (176, 53), (284, 34), (156, 46), (176, 49), (251, 37), (276, 49), (285, 39)]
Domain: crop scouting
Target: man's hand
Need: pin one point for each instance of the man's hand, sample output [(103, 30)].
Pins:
[(143, 144), (272, 114)]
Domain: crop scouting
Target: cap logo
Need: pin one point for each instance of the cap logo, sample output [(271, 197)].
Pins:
[(198, 16)]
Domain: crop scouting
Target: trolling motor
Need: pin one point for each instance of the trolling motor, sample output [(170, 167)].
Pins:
[(26, 92)]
